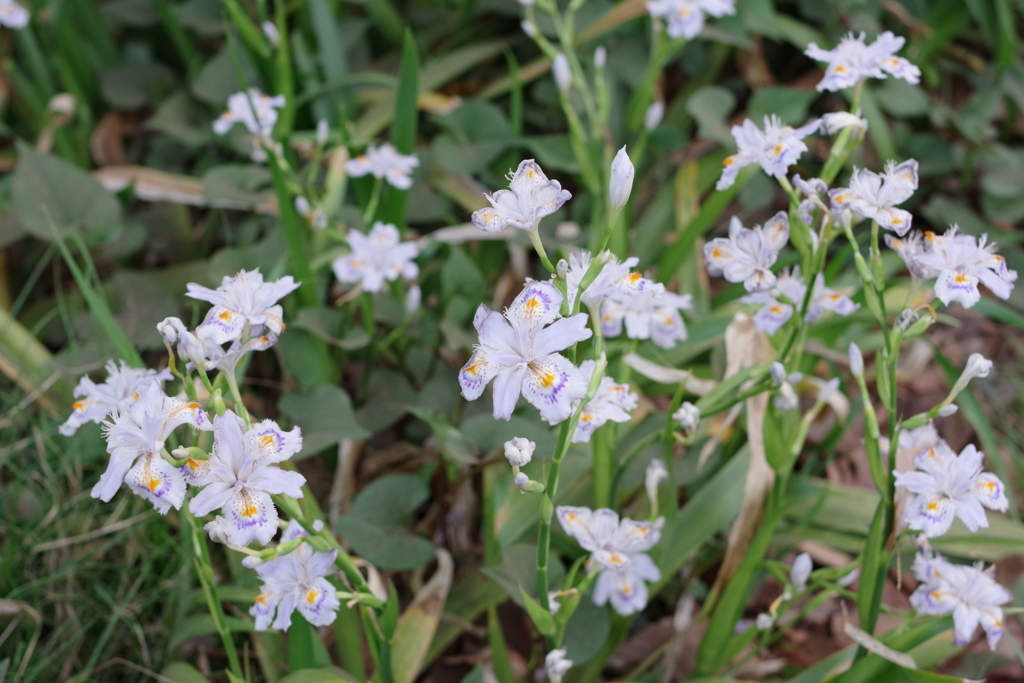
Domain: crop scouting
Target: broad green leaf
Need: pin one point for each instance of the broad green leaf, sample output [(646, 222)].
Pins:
[(329, 674), (587, 630), (325, 416), (183, 119), (241, 186), (389, 397), (540, 617), (305, 649), (454, 445), (788, 104), (376, 524), (183, 672), (518, 569), (416, 627), (47, 191)]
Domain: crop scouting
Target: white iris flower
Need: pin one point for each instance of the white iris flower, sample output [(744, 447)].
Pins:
[(255, 110), (875, 196), (685, 18), (117, 394), (384, 162), (613, 402), (650, 314), (775, 148), (748, 254), (853, 60), (962, 261), (530, 197), (376, 257), (296, 581), (241, 301)]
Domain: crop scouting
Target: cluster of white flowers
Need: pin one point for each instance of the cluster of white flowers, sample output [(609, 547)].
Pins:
[(853, 60), (245, 315), (618, 551), (969, 593), (945, 485), (958, 263), (685, 18), (613, 402), (378, 257), (257, 112), (384, 162), (530, 197), (774, 149), (774, 313), (116, 395), (875, 196)]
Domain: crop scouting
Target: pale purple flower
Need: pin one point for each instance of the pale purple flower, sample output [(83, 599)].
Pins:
[(800, 572), (775, 313), (254, 110), (384, 162), (970, 593), (650, 314), (613, 279), (530, 197), (519, 351), (13, 15), (812, 190), (296, 581), (376, 257), (775, 148), (613, 402), (136, 436), (116, 394), (620, 182), (239, 477), (875, 196), (244, 299), (946, 485), (910, 248), (833, 122), (962, 261), (556, 665), (619, 548), (747, 255), (685, 18), (853, 60)]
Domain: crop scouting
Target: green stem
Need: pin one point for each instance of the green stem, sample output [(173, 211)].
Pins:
[(205, 571)]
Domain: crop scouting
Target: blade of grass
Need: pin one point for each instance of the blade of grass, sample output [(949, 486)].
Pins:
[(403, 131)]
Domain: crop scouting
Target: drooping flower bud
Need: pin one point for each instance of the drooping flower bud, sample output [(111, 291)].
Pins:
[(946, 411), (655, 474), (562, 268), (621, 182), (271, 32), (800, 572), (655, 112), (600, 57), (856, 361), (563, 73), (519, 451), (977, 366)]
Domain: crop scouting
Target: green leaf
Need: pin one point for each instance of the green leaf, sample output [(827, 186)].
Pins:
[(499, 650), (388, 619), (788, 104), (388, 399), (182, 672), (331, 50), (519, 568), (328, 674), (710, 106), (305, 649), (541, 617), (241, 186), (325, 416), (183, 119), (587, 630), (305, 358), (454, 444), (48, 191), (327, 324), (375, 525)]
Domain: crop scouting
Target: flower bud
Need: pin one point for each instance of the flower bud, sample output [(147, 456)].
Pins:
[(191, 452), (562, 268), (906, 318), (946, 411), (688, 416), (764, 621), (322, 131), (553, 603), (800, 572), (848, 580), (529, 28), (562, 72), (977, 366), (215, 530), (621, 182), (778, 372), (413, 299), (271, 32), (655, 112), (302, 206), (251, 561), (656, 473), (600, 57), (522, 481), (856, 361), (567, 231), (519, 451)]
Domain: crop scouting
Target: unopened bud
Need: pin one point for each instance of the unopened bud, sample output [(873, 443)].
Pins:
[(562, 72), (190, 453), (764, 621), (322, 131), (655, 112), (562, 268), (977, 366), (856, 361), (946, 411), (655, 474), (621, 182), (800, 572), (778, 372), (529, 28), (600, 57), (413, 299), (251, 561), (271, 32), (519, 451), (522, 481)]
